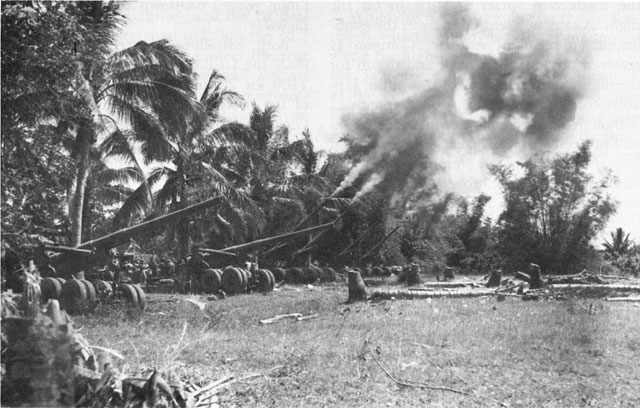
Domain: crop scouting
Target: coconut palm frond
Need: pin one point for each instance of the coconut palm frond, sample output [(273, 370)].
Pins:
[(157, 174), (157, 93), (121, 145), (304, 153), (123, 175), (262, 122), (160, 53), (285, 187), (215, 94), (167, 194), (235, 136), (310, 181), (214, 81), (148, 130), (179, 111), (236, 224), (619, 245), (113, 194), (165, 97), (135, 206), (149, 73)]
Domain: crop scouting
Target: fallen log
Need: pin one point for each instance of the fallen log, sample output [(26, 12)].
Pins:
[(442, 285), (580, 278), (570, 276), (611, 286), (623, 299), (594, 290), (412, 294), (615, 277)]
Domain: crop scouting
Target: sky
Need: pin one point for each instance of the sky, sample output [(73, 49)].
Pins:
[(320, 61)]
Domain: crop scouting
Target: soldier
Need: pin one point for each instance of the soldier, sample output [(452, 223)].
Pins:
[(153, 266), (11, 269), (116, 276), (171, 268), (251, 262), (163, 268)]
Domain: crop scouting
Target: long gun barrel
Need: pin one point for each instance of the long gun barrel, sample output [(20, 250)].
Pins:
[(216, 252), (67, 250), (312, 213), (315, 239), (120, 237), (376, 246), (307, 218), (360, 238), (277, 237)]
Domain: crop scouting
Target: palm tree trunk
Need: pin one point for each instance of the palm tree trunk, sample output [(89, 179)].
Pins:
[(87, 228), (183, 227), (183, 239), (85, 139)]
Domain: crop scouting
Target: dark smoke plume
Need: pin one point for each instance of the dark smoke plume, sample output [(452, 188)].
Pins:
[(520, 100)]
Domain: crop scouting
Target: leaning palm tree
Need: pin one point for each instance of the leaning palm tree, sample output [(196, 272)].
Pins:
[(148, 89), (619, 245)]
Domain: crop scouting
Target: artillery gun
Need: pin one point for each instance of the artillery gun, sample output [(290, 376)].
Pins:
[(70, 272), (238, 280), (79, 282)]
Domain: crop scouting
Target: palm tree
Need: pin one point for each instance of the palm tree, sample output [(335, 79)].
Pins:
[(108, 186), (147, 87), (285, 180), (619, 245), (200, 166)]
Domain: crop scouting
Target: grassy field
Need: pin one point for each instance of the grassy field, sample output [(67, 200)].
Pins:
[(573, 353)]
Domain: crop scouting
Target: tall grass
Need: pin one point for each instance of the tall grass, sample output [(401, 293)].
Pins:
[(548, 353)]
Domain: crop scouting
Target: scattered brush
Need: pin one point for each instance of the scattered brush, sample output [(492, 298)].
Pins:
[(45, 361)]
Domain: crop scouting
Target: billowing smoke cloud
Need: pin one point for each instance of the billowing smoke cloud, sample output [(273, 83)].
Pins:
[(369, 185), (520, 99)]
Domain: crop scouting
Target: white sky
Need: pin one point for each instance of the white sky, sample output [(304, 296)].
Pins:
[(320, 60)]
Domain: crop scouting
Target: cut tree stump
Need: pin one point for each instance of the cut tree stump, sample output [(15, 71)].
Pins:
[(449, 274), (495, 279), (357, 288), (535, 276), (413, 275)]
